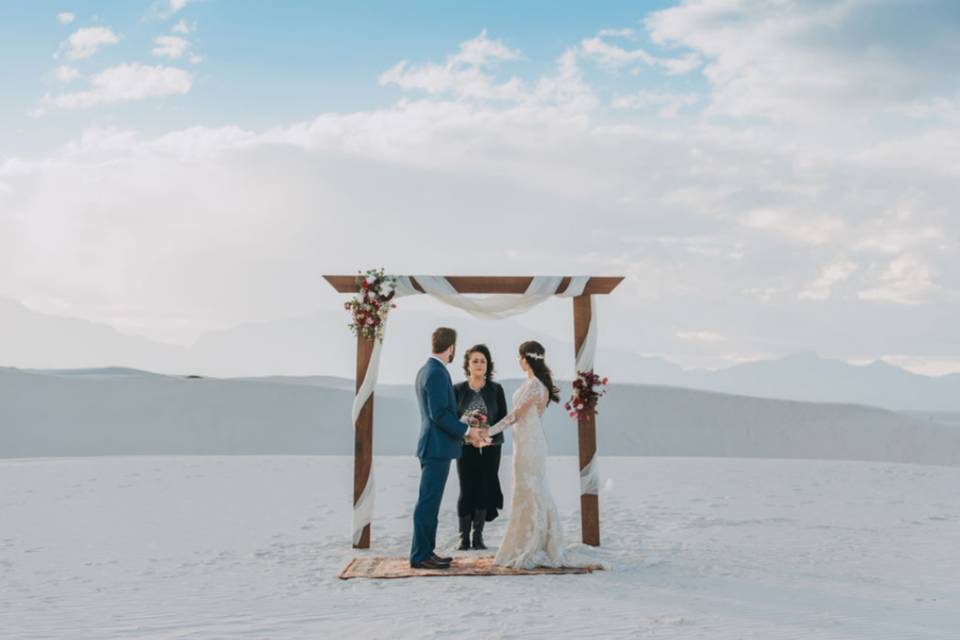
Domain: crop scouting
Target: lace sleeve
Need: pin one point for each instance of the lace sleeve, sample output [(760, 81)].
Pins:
[(529, 395)]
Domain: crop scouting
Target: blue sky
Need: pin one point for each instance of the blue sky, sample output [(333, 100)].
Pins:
[(770, 176), (265, 63)]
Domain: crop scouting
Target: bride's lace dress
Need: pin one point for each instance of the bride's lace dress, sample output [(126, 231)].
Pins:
[(534, 535)]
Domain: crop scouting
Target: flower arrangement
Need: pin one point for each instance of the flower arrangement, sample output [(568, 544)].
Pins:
[(476, 418), (587, 391), (370, 307)]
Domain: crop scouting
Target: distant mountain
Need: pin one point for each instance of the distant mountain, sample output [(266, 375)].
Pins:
[(806, 376), (35, 340), (320, 345), (135, 412)]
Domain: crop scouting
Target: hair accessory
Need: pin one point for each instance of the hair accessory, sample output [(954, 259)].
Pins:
[(535, 356)]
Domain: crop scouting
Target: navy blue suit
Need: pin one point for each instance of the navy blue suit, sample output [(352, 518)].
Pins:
[(441, 440)]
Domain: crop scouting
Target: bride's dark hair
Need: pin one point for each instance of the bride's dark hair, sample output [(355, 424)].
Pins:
[(529, 350)]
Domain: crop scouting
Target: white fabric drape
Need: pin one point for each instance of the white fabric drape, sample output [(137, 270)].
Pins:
[(576, 287), (491, 307), (363, 508), (589, 478)]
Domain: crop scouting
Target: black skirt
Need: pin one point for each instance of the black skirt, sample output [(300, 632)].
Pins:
[(479, 482)]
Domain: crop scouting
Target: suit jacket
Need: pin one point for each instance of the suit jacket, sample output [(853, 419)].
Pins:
[(441, 432), (493, 397)]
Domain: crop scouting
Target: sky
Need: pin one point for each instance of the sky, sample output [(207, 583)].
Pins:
[(770, 176)]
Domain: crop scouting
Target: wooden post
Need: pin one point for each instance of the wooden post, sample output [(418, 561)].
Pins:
[(587, 430), (363, 434)]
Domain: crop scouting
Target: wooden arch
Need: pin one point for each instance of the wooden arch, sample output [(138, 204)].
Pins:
[(587, 428)]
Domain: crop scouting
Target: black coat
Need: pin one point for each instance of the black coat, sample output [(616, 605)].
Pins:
[(493, 397)]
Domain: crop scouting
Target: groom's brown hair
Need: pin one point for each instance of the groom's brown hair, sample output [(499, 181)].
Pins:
[(443, 338)]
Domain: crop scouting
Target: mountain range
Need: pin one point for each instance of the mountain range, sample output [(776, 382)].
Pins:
[(320, 344)]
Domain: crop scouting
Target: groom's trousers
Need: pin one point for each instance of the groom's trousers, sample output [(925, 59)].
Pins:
[(433, 478)]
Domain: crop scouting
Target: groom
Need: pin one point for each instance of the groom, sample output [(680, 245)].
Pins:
[(441, 440)]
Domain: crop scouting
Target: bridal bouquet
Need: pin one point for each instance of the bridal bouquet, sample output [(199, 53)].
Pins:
[(370, 307), (587, 391), (477, 419)]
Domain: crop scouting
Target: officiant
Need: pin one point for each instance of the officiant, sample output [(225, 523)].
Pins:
[(479, 468)]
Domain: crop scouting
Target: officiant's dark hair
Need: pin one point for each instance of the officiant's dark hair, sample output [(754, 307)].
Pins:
[(478, 348), (540, 368), (443, 338)]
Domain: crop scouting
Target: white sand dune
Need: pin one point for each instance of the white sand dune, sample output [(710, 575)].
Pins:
[(119, 411), (249, 547)]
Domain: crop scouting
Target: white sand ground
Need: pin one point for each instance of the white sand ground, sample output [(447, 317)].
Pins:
[(222, 547)]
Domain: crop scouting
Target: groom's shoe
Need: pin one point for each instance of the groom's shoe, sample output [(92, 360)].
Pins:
[(429, 563), (441, 558)]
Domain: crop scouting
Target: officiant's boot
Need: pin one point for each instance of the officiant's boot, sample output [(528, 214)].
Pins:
[(464, 533), (479, 517)]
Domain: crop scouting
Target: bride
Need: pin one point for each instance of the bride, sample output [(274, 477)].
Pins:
[(534, 536)]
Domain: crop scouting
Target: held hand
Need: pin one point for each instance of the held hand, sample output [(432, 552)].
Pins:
[(485, 439), (473, 436)]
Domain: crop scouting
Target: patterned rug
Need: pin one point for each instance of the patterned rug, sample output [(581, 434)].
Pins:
[(380, 567)]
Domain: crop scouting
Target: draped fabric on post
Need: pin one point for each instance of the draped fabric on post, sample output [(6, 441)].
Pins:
[(589, 475), (363, 508), (489, 307)]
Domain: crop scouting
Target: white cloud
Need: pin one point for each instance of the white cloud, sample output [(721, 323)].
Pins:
[(926, 365), (615, 57), (85, 42), (465, 73), (164, 9), (666, 103), (899, 238), (65, 17), (170, 46), (182, 27), (821, 288), (612, 55), (482, 51), (681, 65), (813, 60), (123, 83), (906, 280), (725, 224), (699, 336), (800, 226), (617, 33), (66, 73), (942, 108)]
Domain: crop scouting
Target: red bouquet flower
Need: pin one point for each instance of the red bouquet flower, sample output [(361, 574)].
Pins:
[(372, 304), (587, 391)]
